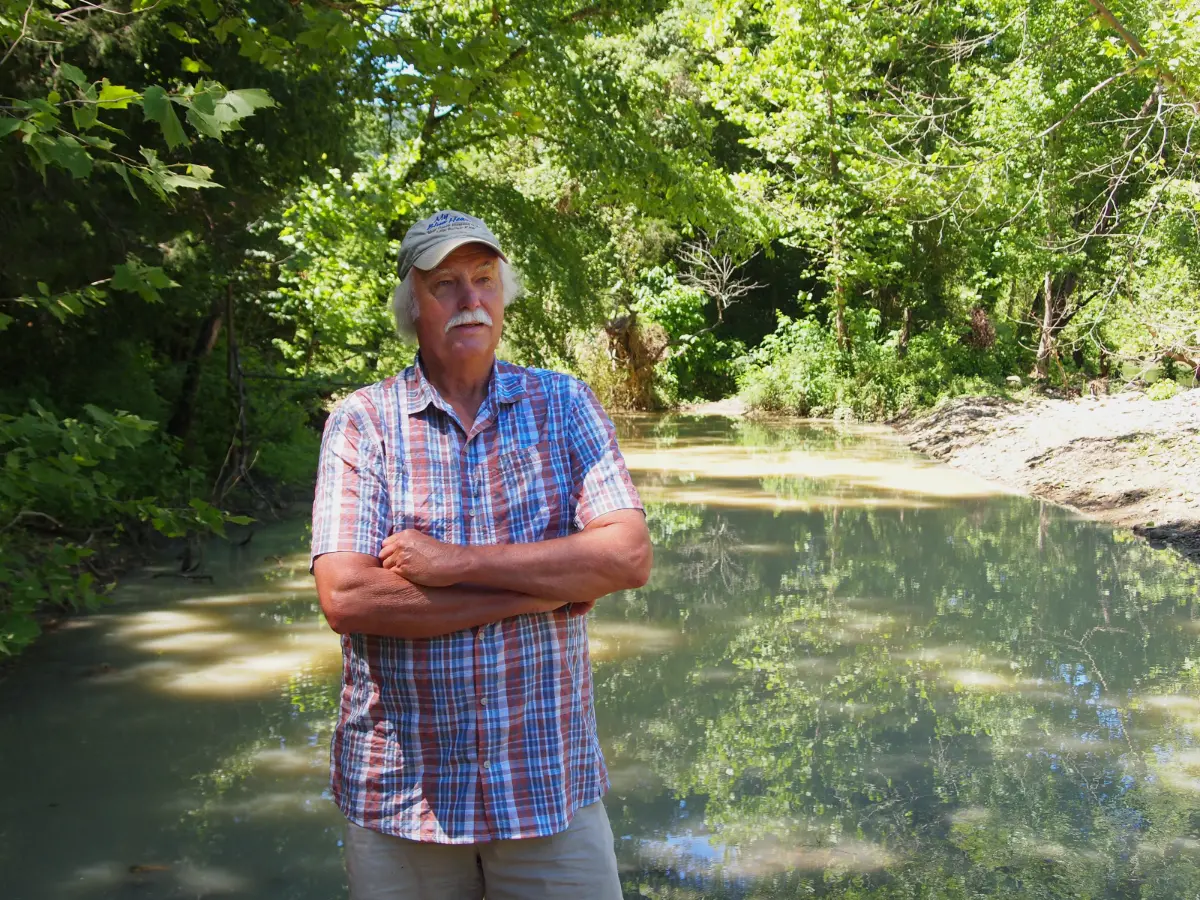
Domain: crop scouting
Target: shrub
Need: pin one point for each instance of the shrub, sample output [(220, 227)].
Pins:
[(1163, 389), (68, 488), (800, 369)]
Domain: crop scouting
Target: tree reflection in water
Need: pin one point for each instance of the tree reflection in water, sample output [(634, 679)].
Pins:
[(964, 697)]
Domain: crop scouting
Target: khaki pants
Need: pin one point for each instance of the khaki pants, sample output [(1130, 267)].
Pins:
[(576, 864)]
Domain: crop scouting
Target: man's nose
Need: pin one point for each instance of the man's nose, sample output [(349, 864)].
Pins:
[(470, 296)]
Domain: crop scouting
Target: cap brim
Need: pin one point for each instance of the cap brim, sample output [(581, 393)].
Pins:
[(438, 252)]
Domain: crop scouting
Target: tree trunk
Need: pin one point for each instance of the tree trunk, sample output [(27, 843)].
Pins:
[(185, 406), (905, 333), (1041, 367), (839, 293), (839, 282), (1056, 294)]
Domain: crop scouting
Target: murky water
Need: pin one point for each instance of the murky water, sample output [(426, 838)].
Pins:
[(854, 674)]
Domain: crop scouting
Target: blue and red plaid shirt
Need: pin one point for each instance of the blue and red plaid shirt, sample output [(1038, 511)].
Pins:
[(490, 732)]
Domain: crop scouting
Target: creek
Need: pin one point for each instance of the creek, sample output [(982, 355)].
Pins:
[(854, 673)]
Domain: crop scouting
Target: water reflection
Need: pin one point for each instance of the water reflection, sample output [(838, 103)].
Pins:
[(853, 674), (935, 692)]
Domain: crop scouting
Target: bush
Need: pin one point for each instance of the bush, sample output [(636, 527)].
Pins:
[(697, 365), (801, 371), (68, 488), (1163, 389)]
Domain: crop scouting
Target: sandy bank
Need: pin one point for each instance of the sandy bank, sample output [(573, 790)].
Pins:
[(1122, 459)]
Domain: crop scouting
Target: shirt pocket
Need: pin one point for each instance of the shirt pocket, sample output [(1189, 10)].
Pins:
[(520, 506), (416, 505)]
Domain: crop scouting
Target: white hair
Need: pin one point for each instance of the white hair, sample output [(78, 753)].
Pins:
[(404, 298)]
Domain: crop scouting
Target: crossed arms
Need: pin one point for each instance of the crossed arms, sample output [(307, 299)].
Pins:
[(421, 587)]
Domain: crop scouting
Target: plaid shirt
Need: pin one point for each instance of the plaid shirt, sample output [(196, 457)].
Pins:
[(489, 732)]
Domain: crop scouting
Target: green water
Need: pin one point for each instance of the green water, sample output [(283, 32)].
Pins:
[(853, 674)]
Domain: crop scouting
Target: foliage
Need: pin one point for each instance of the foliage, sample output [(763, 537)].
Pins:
[(696, 364), (204, 201), (800, 369), (71, 487), (1163, 389)]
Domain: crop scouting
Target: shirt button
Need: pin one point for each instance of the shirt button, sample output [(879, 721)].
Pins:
[(483, 701), (487, 764), (470, 512)]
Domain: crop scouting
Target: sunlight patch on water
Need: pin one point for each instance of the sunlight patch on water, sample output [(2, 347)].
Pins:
[(134, 879), (620, 640), (765, 549), (872, 623), (271, 804), (189, 642), (882, 472), (763, 858), (292, 760), (302, 583), (977, 680), (972, 816), (258, 671), (1178, 704), (848, 855), (755, 498), (219, 601), (1182, 771), (961, 654), (162, 621)]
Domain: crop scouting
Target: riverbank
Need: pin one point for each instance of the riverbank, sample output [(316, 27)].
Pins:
[(1122, 459)]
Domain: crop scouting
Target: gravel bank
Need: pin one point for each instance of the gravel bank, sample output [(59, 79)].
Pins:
[(1122, 459)]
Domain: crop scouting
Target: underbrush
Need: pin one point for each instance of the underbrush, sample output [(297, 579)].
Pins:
[(83, 496), (800, 370)]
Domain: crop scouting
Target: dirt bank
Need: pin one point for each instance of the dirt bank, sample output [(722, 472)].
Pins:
[(1122, 459)]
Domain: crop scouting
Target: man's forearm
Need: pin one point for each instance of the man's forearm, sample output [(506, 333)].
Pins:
[(378, 601), (575, 569)]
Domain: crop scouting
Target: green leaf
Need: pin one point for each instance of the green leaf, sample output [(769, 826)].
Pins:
[(9, 124), (176, 31), (85, 116), (132, 276), (69, 154), (195, 65), (123, 171), (116, 96), (187, 181), (5, 321), (247, 100), (73, 74), (157, 106)]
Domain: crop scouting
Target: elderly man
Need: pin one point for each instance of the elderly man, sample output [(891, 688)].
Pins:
[(468, 514)]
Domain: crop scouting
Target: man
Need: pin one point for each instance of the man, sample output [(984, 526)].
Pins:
[(468, 513)]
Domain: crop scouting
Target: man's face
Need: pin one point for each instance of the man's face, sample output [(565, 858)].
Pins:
[(455, 301)]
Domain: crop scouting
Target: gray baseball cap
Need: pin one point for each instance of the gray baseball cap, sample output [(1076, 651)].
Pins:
[(431, 240)]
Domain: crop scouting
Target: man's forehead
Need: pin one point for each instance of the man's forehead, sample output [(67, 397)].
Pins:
[(476, 256)]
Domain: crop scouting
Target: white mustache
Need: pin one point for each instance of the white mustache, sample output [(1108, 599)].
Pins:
[(477, 316)]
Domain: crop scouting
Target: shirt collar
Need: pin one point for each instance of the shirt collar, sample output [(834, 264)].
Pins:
[(506, 385)]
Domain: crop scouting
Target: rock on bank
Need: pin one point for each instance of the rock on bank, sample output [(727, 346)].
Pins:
[(1122, 459)]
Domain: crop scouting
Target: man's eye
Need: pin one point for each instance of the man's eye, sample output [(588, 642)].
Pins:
[(444, 283)]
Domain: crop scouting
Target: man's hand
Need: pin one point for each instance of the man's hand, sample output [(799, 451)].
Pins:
[(580, 608), (424, 560)]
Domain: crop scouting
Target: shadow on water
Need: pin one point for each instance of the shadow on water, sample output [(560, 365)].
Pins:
[(853, 674)]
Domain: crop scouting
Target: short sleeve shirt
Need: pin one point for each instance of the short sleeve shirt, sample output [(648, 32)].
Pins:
[(487, 733)]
